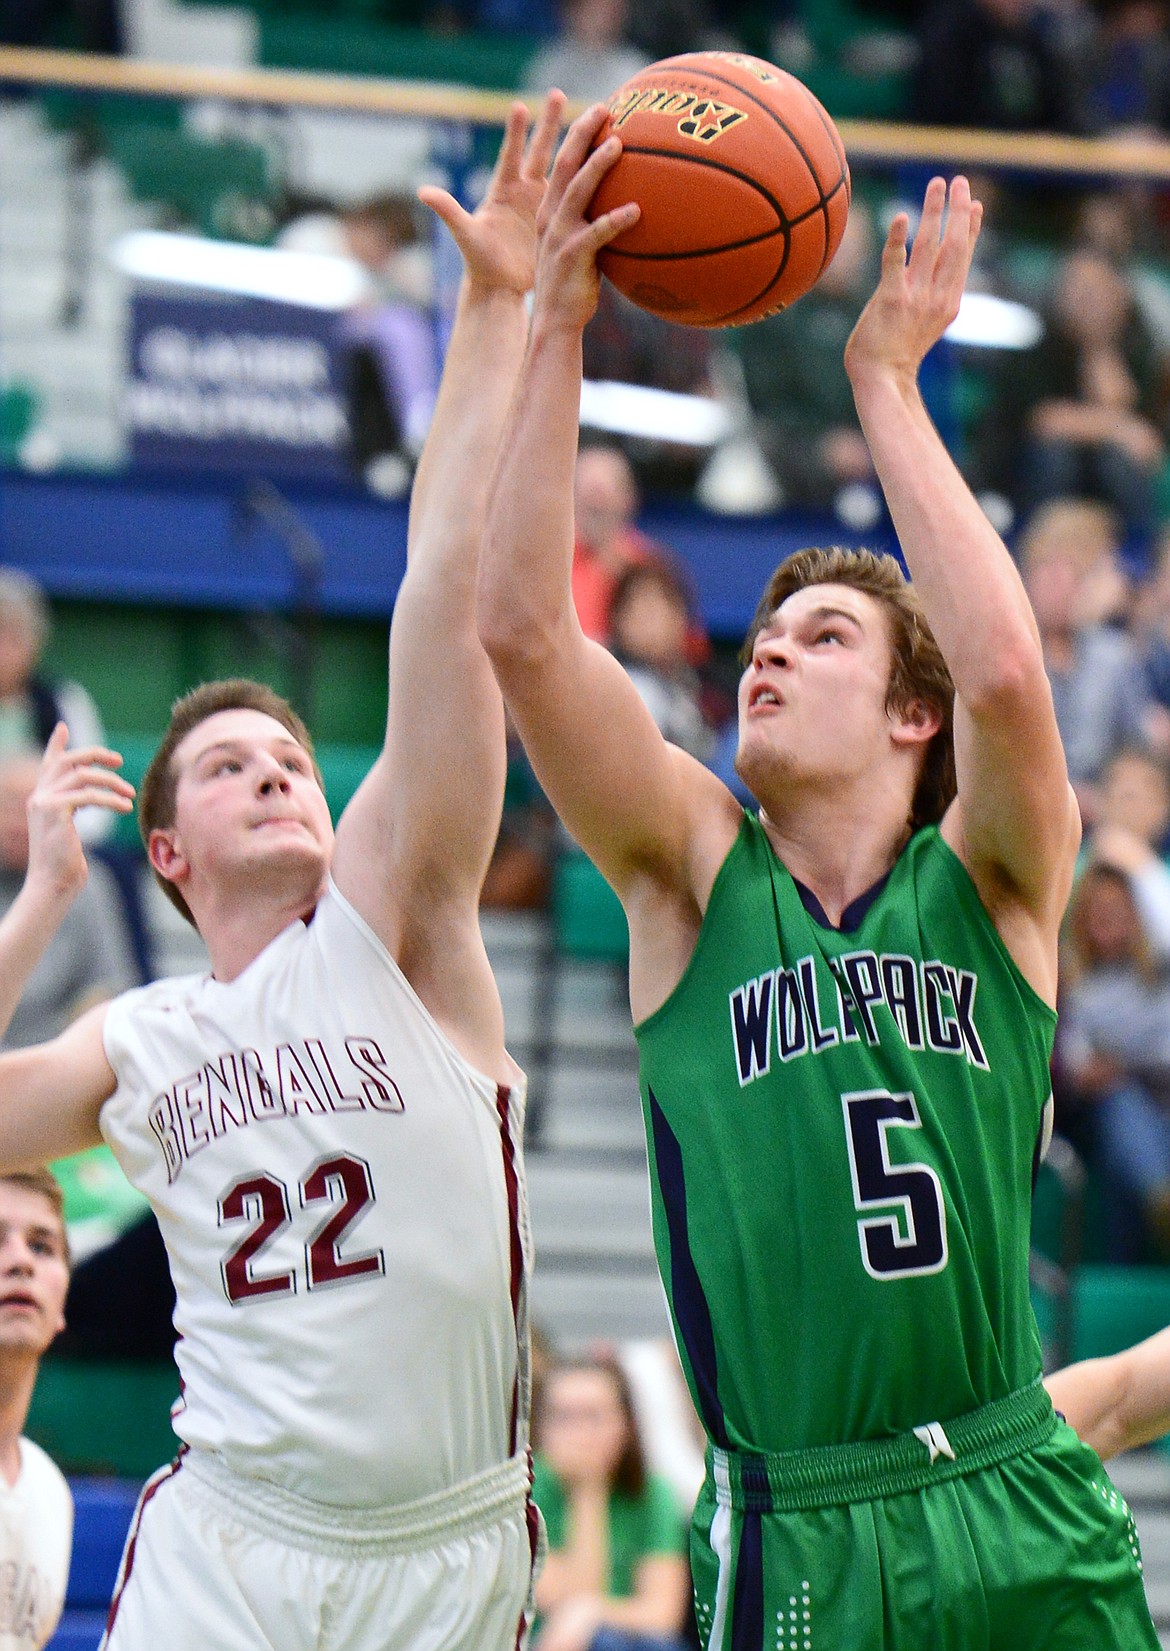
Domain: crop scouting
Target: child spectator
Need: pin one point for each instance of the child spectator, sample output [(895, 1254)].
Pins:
[(649, 623), (36, 1510), (616, 1578)]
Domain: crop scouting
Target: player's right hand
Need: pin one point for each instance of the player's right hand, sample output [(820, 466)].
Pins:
[(69, 780), (567, 277)]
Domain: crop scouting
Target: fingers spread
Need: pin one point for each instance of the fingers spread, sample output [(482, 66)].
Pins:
[(544, 135), (508, 163)]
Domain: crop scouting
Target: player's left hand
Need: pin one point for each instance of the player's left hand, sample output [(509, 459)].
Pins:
[(498, 239), (69, 779), (919, 292)]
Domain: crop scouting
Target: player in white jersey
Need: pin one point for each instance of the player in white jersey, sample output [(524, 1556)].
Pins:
[(328, 1124), (36, 1509)]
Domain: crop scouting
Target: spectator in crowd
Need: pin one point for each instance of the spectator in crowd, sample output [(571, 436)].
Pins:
[(801, 404), (1114, 1057), (89, 958), (1080, 412), (36, 1509), (593, 55), (1094, 669), (608, 540), (31, 703), (392, 369), (1127, 69), (616, 1578), (649, 625), (992, 63)]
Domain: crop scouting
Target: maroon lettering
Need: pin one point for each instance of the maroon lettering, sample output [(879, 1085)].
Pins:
[(338, 1100), (295, 1084), (225, 1097), (189, 1104), (343, 1180), (379, 1087), (262, 1200), (161, 1118), (262, 1102)]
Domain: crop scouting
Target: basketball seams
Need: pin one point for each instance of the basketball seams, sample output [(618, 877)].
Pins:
[(813, 103), (787, 256)]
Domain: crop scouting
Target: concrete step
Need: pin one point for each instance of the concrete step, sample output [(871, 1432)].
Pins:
[(590, 1207)]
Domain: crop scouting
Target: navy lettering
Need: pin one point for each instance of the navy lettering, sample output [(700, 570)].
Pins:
[(790, 1022), (900, 986), (865, 984), (963, 985), (751, 1026), (821, 1036)]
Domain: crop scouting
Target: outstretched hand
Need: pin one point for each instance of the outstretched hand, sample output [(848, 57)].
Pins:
[(498, 240), (567, 277), (69, 780), (918, 294)]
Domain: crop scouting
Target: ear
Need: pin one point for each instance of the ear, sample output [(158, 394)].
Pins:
[(916, 724), (166, 856)]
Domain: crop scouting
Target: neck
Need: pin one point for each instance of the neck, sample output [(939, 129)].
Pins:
[(236, 929), (838, 851), (18, 1374)]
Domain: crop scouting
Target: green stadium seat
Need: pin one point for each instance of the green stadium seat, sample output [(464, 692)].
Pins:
[(588, 920), (341, 44), (100, 1417), (1114, 1307)]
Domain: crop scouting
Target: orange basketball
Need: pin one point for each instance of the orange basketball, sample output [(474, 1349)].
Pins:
[(743, 185)]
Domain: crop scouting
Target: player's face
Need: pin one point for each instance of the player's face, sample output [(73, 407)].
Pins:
[(247, 799), (812, 702), (34, 1270)]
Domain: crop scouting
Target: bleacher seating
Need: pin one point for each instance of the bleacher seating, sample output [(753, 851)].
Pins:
[(102, 1511)]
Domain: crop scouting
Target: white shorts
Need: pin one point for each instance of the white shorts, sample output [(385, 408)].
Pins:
[(217, 1562)]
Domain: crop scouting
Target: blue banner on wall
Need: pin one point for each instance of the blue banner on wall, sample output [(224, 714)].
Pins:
[(236, 385)]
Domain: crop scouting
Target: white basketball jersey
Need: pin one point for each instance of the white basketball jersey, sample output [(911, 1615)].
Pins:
[(36, 1537), (342, 1200)]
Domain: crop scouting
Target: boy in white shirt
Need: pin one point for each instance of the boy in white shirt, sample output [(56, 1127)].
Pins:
[(36, 1509)]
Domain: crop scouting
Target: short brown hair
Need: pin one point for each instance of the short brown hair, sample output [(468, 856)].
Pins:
[(918, 672), (45, 1184), (156, 796)]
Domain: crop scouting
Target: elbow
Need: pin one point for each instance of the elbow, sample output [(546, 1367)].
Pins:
[(1007, 679), (514, 632)]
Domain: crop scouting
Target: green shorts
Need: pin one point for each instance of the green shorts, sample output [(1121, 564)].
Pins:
[(999, 1532)]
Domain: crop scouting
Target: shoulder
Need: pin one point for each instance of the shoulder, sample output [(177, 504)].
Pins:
[(41, 1479)]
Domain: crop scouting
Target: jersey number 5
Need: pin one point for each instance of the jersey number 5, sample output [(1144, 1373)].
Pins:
[(913, 1242), (343, 1182)]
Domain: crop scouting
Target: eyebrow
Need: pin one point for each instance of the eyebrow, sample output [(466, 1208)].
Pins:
[(828, 611), (238, 745)]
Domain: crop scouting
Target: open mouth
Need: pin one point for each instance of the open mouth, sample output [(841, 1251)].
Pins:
[(764, 696)]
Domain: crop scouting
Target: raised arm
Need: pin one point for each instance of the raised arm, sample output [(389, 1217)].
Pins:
[(50, 1095), (417, 837), (1014, 824), (1117, 1403), (622, 791)]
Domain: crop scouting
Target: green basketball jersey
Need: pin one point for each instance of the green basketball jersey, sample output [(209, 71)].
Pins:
[(841, 1129)]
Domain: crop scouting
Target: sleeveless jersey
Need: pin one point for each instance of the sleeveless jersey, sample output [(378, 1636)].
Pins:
[(342, 1200), (841, 1130), (36, 1533)]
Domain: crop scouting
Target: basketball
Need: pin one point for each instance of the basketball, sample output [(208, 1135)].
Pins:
[(742, 181)]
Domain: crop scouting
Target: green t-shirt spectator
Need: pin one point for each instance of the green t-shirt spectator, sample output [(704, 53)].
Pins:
[(638, 1526)]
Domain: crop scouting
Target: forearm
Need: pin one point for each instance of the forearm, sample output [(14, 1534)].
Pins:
[(1117, 1403), (25, 932), (525, 589), (970, 590), (450, 494)]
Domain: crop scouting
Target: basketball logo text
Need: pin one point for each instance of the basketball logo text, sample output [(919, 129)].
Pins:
[(763, 72), (703, 118)]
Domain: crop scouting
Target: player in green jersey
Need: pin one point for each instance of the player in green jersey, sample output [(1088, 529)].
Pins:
[(844, 1011)]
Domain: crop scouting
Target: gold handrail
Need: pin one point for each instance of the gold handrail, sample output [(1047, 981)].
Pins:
[(1133, 158)]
